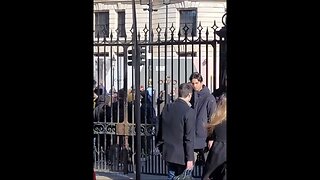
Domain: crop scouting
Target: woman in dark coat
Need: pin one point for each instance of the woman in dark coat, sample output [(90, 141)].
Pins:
[(216, 163)]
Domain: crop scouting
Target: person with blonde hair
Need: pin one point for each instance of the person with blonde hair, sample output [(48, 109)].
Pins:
[(216, 162)]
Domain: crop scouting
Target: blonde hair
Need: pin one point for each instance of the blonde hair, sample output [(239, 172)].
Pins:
[(219, 115)]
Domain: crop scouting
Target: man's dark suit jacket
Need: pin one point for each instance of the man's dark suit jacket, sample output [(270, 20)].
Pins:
[(178, 131)]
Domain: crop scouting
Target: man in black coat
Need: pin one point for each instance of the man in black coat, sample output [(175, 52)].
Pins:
[(204, 104), (178, 130)]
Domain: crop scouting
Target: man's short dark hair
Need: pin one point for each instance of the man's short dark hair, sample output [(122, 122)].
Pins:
[(197, 76), (185, 89)]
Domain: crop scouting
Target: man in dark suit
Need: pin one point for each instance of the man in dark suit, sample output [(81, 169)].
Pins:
[(178, 131)]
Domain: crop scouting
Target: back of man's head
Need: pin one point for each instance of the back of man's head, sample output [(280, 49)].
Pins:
[(185, 89)]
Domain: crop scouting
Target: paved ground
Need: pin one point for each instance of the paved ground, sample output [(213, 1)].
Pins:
[(121, 176)]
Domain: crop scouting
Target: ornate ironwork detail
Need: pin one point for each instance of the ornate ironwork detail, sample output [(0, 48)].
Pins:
[(214, 27), (224, 19), (111, 36), (104, 128), (123, 129), (145, 29), (172, 29), (200, 27), (131, 30), (158, 28), (185, 28)]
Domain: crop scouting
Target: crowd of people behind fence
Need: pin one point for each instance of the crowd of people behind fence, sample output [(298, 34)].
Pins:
[(108, 105), (197, 119)]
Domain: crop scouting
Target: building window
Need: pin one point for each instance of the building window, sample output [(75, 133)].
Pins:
[(121, 23), (102, 24), (189, 18)]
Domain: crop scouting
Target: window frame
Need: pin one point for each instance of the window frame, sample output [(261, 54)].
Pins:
[(123, 32), (107, 24), (194, 24)]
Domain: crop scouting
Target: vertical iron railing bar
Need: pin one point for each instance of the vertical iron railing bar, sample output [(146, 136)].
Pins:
[(207, 58)]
